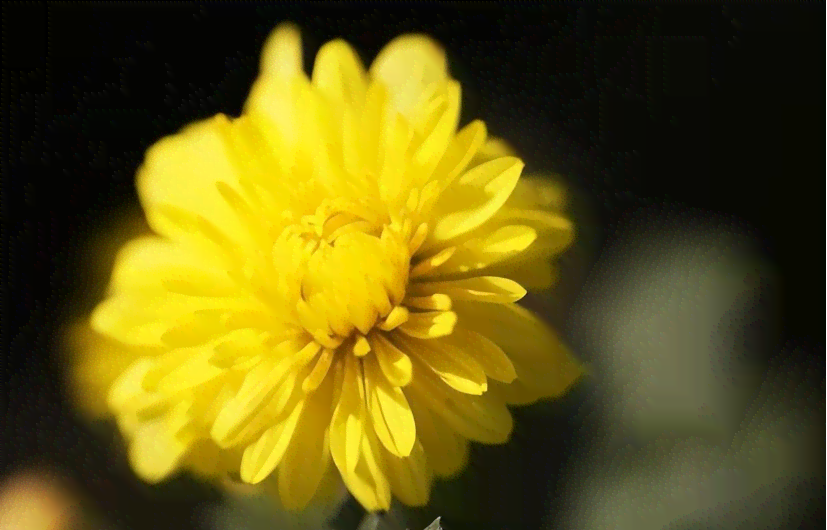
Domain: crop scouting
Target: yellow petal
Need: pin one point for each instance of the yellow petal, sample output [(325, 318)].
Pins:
[(252, 217), (429, 324), (277, 99), (459, 153), (259, 319), (181, 171), (127, 393), (320, 370), (95, 363), (493, 148), (515, 392), (535, 273), (494, 247), (251, 429), (427, 265), (128, 321), (238, 346), (395, 365), (542, 362), (307, 459), (189, 375), (278, 106), (474, 198), (555, 232), (155, 453), (282, 52), (339, 73), (261, 457), (480, 289), (193, 329), (259, 387), (438, 137), (408, 65), (361, 346), (432, 302), (392, 418), (320, 144), (398, 316), (481, 418), (150, 262), (196, 230), (447, 451), (394, 181), (507, 240), (410, 477), (371, 126), (209, 397), (347, 424), (142, 319), (454, 365), (540, 191), (493, 360), (367, 482), (261, 168)]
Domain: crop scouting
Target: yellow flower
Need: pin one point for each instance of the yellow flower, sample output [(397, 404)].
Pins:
[(328, 289)]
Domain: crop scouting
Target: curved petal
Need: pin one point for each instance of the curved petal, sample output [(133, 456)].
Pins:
[(493, 360), (151, 263), (437, 133), (266, 391), (395, 365), (542, 362), (281, 54), (95, 364), (534, 270), (539, 191), (555, 231), (515, 393), (429, 324), (261, 457), (454, 365), (460, 152), (348, 422), (491, 289), (445, 449), (473, 199), (128, 396), (179, 174), (482, 418), (495, 246), (155, 453), (152, 321), (410, 477), (339, 73), (367, 482), (390, 413), (307, 459), (275, 97), (408, 65), (493, 148)]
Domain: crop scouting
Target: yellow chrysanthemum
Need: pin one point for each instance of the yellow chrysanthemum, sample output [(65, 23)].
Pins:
[(327, 289)]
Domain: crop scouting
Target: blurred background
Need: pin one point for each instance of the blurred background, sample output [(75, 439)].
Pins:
[(691, 140)]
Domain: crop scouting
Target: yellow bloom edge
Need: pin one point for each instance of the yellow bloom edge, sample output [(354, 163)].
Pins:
[(330, 289)]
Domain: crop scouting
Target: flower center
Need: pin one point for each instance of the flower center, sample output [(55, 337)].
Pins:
[(349, 270)]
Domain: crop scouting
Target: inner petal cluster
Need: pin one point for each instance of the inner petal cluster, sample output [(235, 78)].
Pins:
[(349, 283)]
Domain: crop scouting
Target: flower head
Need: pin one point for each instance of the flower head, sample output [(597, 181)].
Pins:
[(327, 290)]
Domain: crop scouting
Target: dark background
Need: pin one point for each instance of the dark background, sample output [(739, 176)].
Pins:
[(718, 108)]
